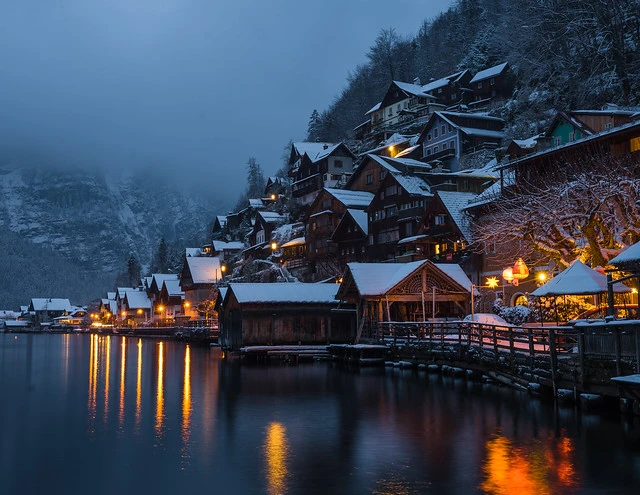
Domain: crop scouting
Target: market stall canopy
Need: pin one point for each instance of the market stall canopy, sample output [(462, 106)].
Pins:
[(629, 258), (577, 280)]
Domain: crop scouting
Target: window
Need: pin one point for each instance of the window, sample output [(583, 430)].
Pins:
[(390, 111), (381, 194), (390, 211), (439, 90), (492, 81), (452, 145), (443, 130), (435, 149), (398, 108), (572, 136), (326, 204), (371, 239), (444, 146), (435, 132), (439, 219), (337, 163), (634, 144), (607, 126), (383, 174), (428, 151), (390, 190), (453, 96), (369, 178), (408, 229), (428, 137), (450, 128), (557, 141), (480, 85), (314, 226)]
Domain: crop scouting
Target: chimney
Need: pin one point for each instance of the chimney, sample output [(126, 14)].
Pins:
[(325, 146), (416, 81)]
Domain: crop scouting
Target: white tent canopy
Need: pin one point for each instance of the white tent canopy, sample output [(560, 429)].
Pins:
[(577, 280)]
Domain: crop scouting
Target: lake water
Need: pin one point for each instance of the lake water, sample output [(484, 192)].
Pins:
[(82, 414)]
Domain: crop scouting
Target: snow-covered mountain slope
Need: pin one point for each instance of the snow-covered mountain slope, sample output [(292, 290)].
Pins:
[(95, 221)]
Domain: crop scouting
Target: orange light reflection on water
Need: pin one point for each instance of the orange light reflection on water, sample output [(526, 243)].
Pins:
[(107, 377), (123, 367), (544, 467), (186, 406), (160, 390), (93, 379), (139, 386), (276, 451)]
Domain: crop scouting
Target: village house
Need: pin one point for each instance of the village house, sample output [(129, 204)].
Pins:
[(170, 305), (351, 236), (395, 212), (321, 220), (198, 280), (153, 293), (294, 253), (219, 229), (44, 310), (276, 187), (135, 308), (260, 236), (491, 85), (416, 291), (314, 166), (226, 251), (374, 168), (448, 137), (281, 314)]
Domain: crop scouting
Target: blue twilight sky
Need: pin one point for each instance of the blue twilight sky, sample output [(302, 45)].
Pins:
[(196, 86)]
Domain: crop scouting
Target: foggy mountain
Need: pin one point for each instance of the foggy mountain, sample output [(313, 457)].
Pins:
[(67, 232)]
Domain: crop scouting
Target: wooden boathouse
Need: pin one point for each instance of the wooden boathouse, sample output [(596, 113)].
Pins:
[(258, 314)]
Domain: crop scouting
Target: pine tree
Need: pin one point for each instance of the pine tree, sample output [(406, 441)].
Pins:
[(255, 179), (160, 261), (133, 271), (313, 129)]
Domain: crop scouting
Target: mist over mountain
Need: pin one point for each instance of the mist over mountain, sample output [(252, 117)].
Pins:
[(67, 231)]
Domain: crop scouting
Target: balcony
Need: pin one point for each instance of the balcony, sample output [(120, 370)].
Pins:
[(441, 155)]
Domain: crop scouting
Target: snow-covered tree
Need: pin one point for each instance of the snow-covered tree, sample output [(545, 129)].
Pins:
[(586, 209)]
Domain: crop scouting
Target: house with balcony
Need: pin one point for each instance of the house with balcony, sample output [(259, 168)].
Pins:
[(198, 280), (351, 235), (314, 166), (45, 309), (395, 213), (170, 303), (136, 307), (449, 137), (374, 168), (260, 236)]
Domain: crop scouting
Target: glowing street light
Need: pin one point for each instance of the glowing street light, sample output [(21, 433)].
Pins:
[(274, 246)]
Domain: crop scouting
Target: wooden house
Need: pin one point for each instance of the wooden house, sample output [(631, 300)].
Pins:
[(260, 236), (226, 251), (321, 221), (493, 84), (351, 236), (276, 187), (294, 253), (314, 166), (219, 227), (395, 212), (605, 119), (415, 291), (136, 307), (170, 304), (450, 136), (445, 228), (374, 168), (281, 314)]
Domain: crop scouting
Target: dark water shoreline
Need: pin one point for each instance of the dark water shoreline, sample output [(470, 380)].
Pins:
[(111, 414)]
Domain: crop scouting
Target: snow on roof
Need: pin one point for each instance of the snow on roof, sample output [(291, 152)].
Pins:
[(487, 73), (455, 272), (576, 280), (272, 217), (161, 277), (438, 83), (360, 217), (455, 203), (298, 241), (374, 108), (111, 295), (122, 291), (475, 131), (227, 246), (193, 252), (475, 116), (351, 198), (137, 300), (412, 89), (409, 162), (494, 191), (173, 287), (407, 151), (412, 239), (146, 281), (256, 203), (629, 256), (376, 279), (300, 293), (313, 149), (204, 270), (413, 185), (222, 220), (527, 143)]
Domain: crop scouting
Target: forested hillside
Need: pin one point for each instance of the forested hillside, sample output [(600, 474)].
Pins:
[(566, 54)]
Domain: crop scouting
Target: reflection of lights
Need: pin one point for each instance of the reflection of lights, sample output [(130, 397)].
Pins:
[(106, 378), (542, 468), (160, 390), (93, 368), (123, 361), (276, 453), (186, 403), (139, 385)]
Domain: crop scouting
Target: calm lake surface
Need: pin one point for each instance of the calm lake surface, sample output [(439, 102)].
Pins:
[(82, 414)]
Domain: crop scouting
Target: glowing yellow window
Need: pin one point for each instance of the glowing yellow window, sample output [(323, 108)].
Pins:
[(635, 144)]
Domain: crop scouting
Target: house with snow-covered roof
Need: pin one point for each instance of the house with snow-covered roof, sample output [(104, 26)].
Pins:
[(374, 168), (313, 166), (45, 309), (219, 227), (350, 236), (395, 212), (198, 280), (404, 292), (254, 314), (136, 307), (169, 304), (260, 236), (321, 220), (449, 137), (492, 84)]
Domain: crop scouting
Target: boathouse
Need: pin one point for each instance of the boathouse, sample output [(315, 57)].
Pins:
[(414, 291), (282, 313)]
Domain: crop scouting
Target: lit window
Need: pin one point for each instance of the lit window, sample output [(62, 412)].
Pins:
[(635, 144)]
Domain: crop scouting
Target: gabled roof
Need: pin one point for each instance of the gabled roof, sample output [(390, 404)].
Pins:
[(443, 81), (455, 203), (300, 293), (628, 257), (570, 119), (298, 241), (193, 252), (374, 108), (111, 295), (272, 217), (455, 120), (349, 198), (378, 279), (50, 304), (490, 72), (310, 148), (361, 218), (159, 279), (172, 287), (577, 280), (227, 246), (204, 270), (137, 300), (414, 185)]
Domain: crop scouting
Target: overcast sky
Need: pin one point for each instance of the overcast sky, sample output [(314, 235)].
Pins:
[(199, 85)]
